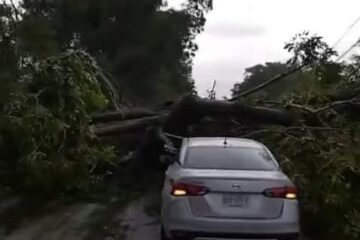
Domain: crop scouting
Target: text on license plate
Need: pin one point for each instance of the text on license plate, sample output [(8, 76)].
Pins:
[(235, 200)]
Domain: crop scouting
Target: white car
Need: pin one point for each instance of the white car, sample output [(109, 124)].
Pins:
[(227, 188)]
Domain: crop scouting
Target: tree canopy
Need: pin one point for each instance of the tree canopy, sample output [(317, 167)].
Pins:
[(320, 152), (64, 60), (257, 74), (145, 49)]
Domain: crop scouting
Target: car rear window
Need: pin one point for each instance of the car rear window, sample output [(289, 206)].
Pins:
[(229, 158)]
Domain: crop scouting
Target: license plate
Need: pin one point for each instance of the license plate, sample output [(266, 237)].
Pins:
[(235, 200)]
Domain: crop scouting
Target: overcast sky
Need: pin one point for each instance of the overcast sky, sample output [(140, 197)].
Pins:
[(241, 33)]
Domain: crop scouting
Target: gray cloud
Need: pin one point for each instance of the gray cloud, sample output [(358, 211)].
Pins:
[(234, 30), (226, 73), (242, 33)]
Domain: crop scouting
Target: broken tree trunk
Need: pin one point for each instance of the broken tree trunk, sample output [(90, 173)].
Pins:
[(188, 111), (191, 110), (123, 115), (128, 126)]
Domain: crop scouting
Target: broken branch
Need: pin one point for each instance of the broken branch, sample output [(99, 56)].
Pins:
[(128, 126), (270, 81), (123, 115)]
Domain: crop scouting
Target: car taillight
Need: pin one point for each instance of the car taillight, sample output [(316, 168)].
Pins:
[(188, 189), (282, 192)]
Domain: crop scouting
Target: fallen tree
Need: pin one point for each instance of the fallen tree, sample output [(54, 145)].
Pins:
[(316, 143), (314, 136), (123, 115), (191, 110), (188, 111), (115, 128)]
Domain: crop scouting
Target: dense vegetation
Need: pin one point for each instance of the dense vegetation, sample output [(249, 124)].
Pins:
[(63, 60), (47, 139), (145, 49), (322, 154)]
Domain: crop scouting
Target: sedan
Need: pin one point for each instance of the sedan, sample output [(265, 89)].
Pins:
[(227, 188)]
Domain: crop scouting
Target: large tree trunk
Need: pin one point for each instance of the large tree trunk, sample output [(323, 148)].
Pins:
[(189, 111), (115, 128), (123, 115)]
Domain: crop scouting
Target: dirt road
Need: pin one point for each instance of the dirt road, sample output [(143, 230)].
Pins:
[(87, 221)]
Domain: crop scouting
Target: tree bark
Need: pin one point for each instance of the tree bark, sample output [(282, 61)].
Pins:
[(128, 126), (190, 110), (123, 115)]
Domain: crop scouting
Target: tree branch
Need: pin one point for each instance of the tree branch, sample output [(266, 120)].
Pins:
[(301, 107), (270, 81), (334, 104), (128, 126), (285, 130), (123, 115), (191, 110)]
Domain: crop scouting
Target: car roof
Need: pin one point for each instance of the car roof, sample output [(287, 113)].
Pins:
[(220, 142)]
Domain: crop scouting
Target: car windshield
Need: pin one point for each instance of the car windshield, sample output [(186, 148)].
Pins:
[(229, 158)]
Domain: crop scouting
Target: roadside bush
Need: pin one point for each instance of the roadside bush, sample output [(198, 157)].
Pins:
[(325, 166), (47, 142)]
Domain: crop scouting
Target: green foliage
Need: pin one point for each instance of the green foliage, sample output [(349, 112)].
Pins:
[(48, 141), (257, 74), (325, 166), (320, 74), (47, 90), (321, 154), (147, 49), (351, 75), (8, 56), (307, 49)]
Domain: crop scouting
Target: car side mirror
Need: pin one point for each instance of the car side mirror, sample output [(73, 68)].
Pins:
[(170, 150), (170, 155)]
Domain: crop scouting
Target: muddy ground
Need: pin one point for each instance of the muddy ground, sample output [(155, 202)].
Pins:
[(109, 220)]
